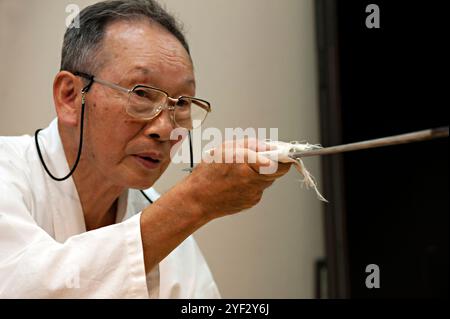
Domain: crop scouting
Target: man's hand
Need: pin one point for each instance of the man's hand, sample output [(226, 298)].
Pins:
[(211, 191), (221, 188)]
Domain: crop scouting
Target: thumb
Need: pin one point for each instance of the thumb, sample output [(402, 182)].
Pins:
[(258, 163)]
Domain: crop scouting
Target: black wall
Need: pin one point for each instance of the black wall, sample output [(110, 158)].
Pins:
[(389, 81)]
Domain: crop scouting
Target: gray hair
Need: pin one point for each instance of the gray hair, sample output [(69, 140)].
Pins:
[(81, 45)]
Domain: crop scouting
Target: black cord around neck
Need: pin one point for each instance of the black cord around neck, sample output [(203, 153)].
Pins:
[(83, 102), (146, 197), (191, 155), (60, 179), (80, 146)]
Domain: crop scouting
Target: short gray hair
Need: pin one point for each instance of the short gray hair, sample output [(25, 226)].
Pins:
[(81, 45)]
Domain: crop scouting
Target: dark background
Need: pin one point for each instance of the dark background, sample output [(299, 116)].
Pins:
[(389, 206)]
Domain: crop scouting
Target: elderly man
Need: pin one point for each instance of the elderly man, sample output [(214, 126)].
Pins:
[(126, 82)]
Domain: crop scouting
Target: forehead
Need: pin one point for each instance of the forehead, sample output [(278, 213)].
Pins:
[(145, 50)]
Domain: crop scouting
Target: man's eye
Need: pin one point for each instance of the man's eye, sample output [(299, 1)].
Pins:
[(141, 93), (183, 103)]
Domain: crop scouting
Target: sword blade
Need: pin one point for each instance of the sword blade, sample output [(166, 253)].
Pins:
[(418, 136)]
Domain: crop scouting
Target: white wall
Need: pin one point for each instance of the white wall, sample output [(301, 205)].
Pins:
[(256, 61)]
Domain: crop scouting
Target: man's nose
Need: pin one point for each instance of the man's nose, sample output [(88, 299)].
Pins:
[(161, 126)]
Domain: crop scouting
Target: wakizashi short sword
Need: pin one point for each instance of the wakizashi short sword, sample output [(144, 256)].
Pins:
[(412, 137)]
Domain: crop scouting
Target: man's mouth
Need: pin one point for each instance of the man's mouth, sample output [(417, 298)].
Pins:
[(149, 161), (149, 158)]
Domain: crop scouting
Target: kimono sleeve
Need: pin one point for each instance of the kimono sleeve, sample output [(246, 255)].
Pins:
[(103, 263)]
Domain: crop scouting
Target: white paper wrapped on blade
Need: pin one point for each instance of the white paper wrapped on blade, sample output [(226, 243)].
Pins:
[(281, 151)]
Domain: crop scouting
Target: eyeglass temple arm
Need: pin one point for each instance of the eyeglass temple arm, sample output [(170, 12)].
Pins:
[(106, 83)]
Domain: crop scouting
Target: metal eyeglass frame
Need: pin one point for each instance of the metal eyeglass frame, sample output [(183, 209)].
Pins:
[(166, 105)]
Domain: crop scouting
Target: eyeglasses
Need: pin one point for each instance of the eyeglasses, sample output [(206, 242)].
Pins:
[(146, 102)]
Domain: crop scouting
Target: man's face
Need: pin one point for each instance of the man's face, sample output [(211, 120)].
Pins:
[(126, 151)]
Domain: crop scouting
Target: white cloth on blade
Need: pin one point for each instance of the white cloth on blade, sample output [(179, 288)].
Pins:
[(45, 251), (281, 151)]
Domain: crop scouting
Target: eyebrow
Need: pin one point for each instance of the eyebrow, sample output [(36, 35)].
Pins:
[(146, 72)]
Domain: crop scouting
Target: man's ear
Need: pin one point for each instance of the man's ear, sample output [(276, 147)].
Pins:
[(67, 97)]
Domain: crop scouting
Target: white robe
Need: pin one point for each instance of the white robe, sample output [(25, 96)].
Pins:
[(45, 251)]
